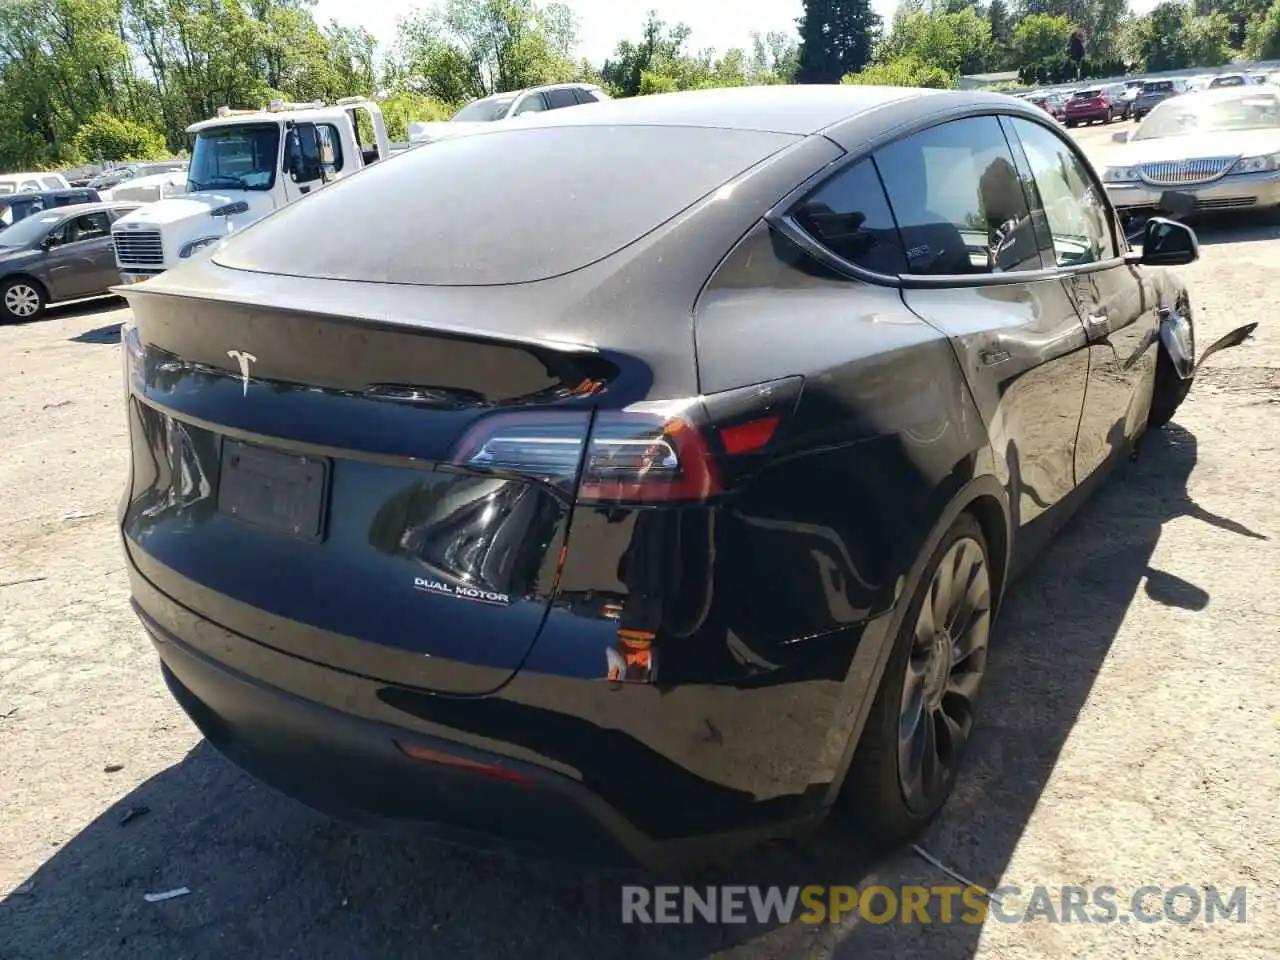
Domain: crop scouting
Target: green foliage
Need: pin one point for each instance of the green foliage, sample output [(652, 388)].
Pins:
[(837, 37), (907, 70), (1040, 37), (1174, 37), (403, 108), (465, 49), (1262, 42), (955, 43), (107, 137), (659, 63), (1063, 69)]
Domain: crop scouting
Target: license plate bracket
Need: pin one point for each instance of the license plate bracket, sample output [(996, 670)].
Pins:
[(277, 491)]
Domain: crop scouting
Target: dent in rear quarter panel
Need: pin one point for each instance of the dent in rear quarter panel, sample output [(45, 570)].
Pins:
[(774, 605)]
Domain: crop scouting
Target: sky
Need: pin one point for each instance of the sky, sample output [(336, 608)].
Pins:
[(715, 23)]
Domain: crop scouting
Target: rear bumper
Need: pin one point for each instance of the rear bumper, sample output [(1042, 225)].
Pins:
[(1229, 193), (352, 769), (1083, 116), (584, 774)]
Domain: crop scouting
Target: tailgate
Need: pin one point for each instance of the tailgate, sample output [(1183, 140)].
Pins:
[(292, 481)]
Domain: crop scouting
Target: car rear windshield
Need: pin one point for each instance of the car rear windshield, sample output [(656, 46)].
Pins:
[(1086, 95), (512, 206), (1158, 87)]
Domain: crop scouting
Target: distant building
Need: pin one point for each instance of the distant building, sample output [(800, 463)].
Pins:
[(976, 81)]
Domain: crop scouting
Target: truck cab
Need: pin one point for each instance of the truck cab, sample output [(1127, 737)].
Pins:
[(245, 164)]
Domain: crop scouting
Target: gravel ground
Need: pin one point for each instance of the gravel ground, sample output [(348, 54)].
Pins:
[(1130, 733)]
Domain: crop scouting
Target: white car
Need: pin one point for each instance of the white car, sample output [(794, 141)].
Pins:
[(1222, 146), (478, 114), (148, 188), (31, 182)]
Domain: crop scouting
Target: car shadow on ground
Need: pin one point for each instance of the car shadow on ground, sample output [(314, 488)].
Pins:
[(269, 878)]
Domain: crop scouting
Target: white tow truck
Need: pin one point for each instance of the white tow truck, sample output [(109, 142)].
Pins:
[(244, 164)]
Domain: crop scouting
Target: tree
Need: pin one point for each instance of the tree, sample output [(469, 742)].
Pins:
[(1001, 26), (1172, 37), (472, 48), (1040, 36), (836, 38), (955, 43), (1262, 41), (904, 71), (106, 137), (658, 45)]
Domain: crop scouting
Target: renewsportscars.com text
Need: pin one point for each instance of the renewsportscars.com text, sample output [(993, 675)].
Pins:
[(933, 904)]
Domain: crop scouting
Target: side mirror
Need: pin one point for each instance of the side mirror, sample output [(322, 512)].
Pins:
[(1167, 243)]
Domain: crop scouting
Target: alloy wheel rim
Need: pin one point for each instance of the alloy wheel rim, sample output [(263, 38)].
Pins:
[(21, 300), (945, 668)]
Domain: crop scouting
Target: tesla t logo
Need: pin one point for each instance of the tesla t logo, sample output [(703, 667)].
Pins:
[(244, 359)]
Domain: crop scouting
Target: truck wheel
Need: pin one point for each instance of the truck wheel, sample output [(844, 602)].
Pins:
[(923, 714), (21, 300)]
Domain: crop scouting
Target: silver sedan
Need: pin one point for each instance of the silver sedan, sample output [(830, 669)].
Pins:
[(1221, 146)]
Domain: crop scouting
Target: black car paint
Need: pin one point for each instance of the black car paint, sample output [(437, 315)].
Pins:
[(774, 606)]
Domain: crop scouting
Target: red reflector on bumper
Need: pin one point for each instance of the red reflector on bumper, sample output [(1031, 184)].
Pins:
[(446, 760)]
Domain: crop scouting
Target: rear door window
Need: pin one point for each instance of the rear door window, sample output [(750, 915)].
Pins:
[(89, 226), (849, 215), (959, 203), (1063, 187), (531, 104), (560, 98), (587, 96)]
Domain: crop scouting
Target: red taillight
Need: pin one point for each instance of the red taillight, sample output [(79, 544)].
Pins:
[(749, 436), (649, 452)]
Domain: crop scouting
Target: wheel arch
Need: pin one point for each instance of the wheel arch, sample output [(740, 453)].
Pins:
[(987, 500)]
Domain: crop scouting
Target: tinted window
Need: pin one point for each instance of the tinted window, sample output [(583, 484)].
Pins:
[(330, 145), (531, 104), (587, 96), (117, 212), (959, 203), (850, 217), (561, 98), (1158, 86), (1072, 201), (479, 210), (89, 226)]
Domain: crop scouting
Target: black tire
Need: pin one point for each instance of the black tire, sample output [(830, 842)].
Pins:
[(1071, 123), (875, 795), (21, 300)]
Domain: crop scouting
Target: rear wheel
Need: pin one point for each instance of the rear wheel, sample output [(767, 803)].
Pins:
[(923, 714), (20, 300)]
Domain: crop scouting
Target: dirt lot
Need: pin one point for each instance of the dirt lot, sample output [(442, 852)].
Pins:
[(1131, 733)]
